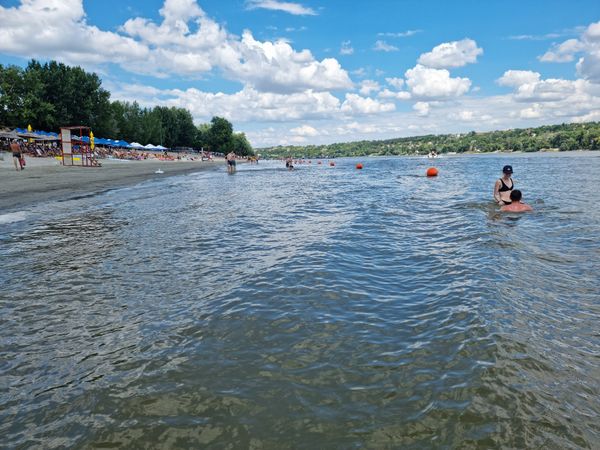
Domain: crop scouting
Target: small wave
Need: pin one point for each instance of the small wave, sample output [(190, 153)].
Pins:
[(13, 217)]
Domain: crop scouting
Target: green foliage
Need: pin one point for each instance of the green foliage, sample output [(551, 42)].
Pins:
[(220, 137), (52, 95), (546, 138)]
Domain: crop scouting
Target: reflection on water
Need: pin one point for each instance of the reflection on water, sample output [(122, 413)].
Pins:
[(319, 308)]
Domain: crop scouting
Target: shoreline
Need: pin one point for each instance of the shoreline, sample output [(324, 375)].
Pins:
[(44, 179)]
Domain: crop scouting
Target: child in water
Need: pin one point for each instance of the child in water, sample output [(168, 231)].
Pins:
[(516, 204)]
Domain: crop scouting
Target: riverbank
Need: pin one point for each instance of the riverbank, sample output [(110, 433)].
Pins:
[(44, 179)]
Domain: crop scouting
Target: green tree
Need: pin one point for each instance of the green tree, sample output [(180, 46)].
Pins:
[(221, 135), (241, 146)]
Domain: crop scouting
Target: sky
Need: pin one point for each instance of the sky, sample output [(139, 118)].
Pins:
[(324, 71)]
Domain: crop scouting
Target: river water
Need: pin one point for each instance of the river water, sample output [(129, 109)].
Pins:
[(321, 308)]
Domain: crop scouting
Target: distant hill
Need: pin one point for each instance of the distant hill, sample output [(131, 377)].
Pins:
[(562, 137)]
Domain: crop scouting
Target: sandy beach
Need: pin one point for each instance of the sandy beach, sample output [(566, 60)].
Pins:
[(45, 179)]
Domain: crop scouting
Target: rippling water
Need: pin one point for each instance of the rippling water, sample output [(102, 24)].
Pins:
[(320, 308)]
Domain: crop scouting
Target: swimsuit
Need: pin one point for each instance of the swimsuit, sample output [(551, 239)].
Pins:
[(504, 187)]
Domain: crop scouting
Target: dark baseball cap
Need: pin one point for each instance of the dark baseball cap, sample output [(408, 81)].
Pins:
[(507, 169)]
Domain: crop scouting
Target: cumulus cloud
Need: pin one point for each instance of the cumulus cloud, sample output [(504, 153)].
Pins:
[(422, 108), (516, 78), (397, 95), (587, 47), (355, 104), (368, 86), (425, 82), (275, 5), (382, 46), (398, 83), (304, 130), (564, 52), (55, 28), (451, 54), (277, 67), (185, 42)]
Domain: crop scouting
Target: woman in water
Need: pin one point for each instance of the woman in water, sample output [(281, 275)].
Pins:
[(504, 186)]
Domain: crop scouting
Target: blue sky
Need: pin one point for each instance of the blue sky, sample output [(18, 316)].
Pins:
[(328, 71)]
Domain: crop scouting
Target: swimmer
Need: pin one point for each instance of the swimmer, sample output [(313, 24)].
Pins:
[(231, 162), (516, 204), (289, 163), (501, 188)]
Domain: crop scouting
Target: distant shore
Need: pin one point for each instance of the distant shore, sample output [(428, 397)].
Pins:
[(45, 179)]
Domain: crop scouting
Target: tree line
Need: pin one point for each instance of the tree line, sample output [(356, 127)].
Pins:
[(562, 137), (50, 95)]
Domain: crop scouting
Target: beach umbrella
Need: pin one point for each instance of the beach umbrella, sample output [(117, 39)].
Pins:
[(91, 140), (149, 146), (29, 130), (136, 145)]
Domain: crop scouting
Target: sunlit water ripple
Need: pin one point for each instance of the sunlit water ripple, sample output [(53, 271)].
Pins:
[(320, 308)]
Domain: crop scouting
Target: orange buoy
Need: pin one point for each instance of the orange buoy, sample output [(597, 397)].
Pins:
[(359, 166), (432, 172)]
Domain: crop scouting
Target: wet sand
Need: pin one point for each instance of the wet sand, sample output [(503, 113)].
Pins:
[(44, 179)]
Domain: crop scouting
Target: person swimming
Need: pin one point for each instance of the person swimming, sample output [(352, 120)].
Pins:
[(516, 204), (289, 163), (504, 186)]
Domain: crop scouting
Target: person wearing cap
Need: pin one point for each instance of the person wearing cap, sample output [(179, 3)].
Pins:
[(504, 186)]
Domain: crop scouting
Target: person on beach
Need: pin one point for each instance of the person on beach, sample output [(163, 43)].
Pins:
[(231, 162), (504, 186), (17, 154), (516, 204)]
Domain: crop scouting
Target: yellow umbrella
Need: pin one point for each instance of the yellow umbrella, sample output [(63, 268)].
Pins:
[(29, 130), (91, 139)]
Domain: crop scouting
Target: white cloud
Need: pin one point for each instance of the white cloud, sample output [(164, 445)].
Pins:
[(186, 42), (398, 83), (516, 78), (401, 34), (51, 28), (276, 5), (424, 82), (587, 46), (368, 86), (422, 108), (564, 52), (277, 67), (382, 46), (451, 54), (398, 95), (533, 112), (346, 48), (356, 105), (304, 130)]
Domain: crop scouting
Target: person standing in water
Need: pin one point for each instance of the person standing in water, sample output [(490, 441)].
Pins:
[(504, 186), (516, 204), (231, 162), (289, 163), (17, 154)]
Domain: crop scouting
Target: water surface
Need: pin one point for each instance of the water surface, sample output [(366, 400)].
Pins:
[(320, 308)]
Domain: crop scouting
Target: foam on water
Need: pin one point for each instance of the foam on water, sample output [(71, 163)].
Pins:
[(12, 217)]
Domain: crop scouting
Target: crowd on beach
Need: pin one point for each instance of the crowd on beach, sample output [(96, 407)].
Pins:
[(35, 149)]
